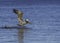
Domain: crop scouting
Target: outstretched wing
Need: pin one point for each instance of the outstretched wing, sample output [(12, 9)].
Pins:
[(19, 13)]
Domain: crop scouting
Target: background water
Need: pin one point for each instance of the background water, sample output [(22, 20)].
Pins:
[(45, 27)]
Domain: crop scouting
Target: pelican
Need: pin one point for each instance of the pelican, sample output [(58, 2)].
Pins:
[(20, 18)]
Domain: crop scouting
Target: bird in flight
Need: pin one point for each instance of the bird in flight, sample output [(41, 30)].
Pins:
[(20, 18)]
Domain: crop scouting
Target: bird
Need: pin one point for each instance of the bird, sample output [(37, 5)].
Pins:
[(22, 22)]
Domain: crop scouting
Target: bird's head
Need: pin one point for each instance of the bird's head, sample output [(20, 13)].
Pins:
[(27, 21)]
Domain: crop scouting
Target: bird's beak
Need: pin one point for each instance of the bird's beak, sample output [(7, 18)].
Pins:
[(30, 23)]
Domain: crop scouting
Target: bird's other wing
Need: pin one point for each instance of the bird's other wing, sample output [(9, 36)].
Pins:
[(19, 13)]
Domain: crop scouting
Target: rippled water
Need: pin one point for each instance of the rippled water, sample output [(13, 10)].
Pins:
[(45, 27)]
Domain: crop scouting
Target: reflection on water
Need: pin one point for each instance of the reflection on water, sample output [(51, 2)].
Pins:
[(21, 34), (12, 34), (44, 34)]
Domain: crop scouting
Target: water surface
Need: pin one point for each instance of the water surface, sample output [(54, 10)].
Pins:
[(45, 27)]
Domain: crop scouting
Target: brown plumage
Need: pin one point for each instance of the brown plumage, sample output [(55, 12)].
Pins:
[(20, 17)]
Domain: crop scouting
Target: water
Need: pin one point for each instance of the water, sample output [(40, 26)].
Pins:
[(45, 27)]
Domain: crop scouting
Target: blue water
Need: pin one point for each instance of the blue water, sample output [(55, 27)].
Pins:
[(45, 27)]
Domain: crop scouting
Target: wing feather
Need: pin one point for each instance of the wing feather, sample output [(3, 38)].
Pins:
[(19, 13)]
